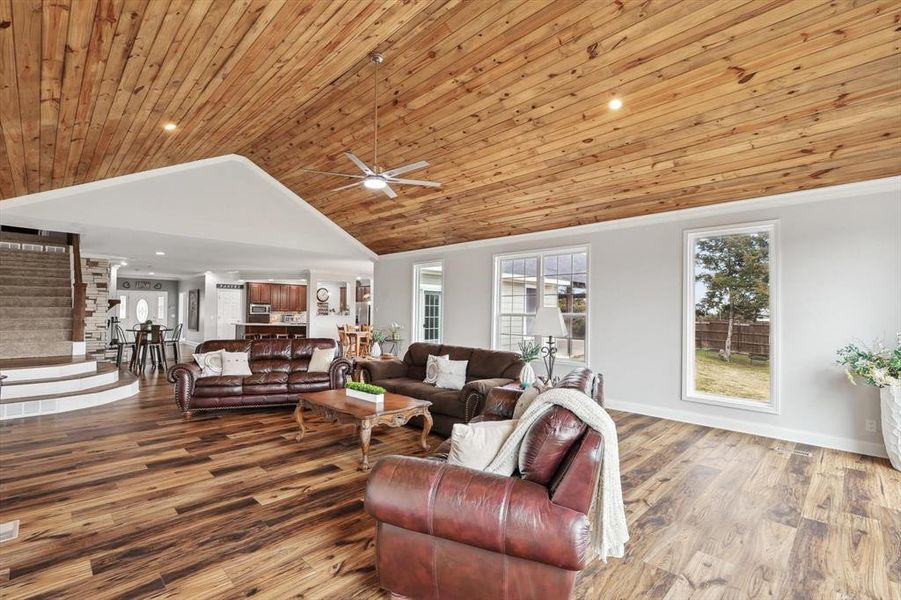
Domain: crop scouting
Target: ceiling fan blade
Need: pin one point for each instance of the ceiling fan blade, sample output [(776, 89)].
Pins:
[(344, 187), (360, 164), (389, 192), (419, 164), (433, 184), (331, 173)]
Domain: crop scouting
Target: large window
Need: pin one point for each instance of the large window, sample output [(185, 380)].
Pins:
[(731, 344), (523, 282)]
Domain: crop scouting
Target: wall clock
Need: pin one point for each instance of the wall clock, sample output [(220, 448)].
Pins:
[(322, 295)]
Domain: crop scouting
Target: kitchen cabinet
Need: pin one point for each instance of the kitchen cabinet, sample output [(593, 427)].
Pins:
[(281, 297)]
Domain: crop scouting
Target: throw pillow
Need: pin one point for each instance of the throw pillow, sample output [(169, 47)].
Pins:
[(475, 445), (528, 397), (321, 360), (431, 368), (235, 364), (210, 363), (451, 374)]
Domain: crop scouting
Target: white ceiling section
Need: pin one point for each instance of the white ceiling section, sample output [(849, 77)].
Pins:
[(219, 214)]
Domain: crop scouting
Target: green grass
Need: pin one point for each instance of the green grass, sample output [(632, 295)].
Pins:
[(739, 378)]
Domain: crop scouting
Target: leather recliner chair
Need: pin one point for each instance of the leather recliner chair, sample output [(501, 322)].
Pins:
[(450, 532)]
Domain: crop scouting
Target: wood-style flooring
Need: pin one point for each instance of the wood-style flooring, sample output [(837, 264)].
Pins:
[(130, 501)]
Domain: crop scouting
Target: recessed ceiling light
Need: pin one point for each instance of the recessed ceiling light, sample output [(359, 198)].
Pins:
[(123, 263), (271, 280), (170, 126), (160, 253), (151, 273), (615, 104)]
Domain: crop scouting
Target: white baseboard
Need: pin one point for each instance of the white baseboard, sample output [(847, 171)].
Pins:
[(769, 431)]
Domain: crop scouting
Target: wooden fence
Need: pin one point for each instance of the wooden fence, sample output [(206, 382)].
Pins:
[(747, 338)]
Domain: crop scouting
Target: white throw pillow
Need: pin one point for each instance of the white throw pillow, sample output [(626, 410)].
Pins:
[(210, 363), (431, 368), (321, 360), (234, 364), (475, 445), (528, 397), (451, 374)]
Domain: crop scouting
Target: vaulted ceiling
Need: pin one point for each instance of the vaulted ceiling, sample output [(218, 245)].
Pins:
[(507, 100)]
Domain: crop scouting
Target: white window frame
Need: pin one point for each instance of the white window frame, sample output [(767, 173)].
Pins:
[(418, 302), (540, 254), (689, 394)]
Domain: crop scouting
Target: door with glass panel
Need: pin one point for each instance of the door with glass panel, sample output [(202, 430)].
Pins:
[(429, 283), (139, 307)]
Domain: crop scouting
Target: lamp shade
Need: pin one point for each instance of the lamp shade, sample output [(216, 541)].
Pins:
[(548, 322)]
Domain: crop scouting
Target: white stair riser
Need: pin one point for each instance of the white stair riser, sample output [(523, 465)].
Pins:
[(61, 386), (49, 371), (17, 410)]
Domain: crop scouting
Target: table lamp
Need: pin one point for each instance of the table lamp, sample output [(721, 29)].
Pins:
[(549, 323)]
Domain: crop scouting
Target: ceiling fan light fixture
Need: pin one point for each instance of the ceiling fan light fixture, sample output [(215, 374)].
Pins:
[(374, 183)]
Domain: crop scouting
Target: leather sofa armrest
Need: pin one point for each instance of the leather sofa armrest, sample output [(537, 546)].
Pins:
[(338, 372), (502, 514), (374, 370), (500, 402), (475, 392), (183, 375)]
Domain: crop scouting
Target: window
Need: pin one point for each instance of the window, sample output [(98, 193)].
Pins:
[(161, 307), (123, 308), (142, 310), (428, 285), (552, 278), (731, 342)]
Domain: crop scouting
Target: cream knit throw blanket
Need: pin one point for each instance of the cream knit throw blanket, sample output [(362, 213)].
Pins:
[(609, 532)]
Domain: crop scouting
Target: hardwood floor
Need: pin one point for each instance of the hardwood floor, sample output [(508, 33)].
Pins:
[(129, 500)]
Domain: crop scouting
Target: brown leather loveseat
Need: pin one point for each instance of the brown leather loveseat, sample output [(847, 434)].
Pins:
[(446, 531), (486, 369), (279, 370)]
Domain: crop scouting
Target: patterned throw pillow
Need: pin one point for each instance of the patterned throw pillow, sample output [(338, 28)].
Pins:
[(431, 368), (210, 363), (451, 374), (235, 364)]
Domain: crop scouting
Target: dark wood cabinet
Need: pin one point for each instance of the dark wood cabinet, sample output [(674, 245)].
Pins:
[(281, 297)]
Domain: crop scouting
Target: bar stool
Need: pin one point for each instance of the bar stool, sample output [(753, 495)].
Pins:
[(251, 336), (281, 336)]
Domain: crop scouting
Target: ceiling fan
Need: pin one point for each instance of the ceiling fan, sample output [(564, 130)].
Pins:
[(374, 178)]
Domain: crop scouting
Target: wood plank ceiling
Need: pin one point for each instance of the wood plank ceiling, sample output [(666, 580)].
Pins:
[(507, 100)]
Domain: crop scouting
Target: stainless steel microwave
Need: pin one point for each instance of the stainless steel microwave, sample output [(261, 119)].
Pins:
[(260, 309)]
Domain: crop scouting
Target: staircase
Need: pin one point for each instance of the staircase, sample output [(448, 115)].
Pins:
[(35, 300), (42, 386)]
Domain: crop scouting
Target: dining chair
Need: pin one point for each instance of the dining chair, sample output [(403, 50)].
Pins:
[(138, 359), (120, 343), (173, 340), (345, 341)]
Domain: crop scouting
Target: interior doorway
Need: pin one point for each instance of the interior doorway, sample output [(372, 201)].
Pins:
[(229, 312)]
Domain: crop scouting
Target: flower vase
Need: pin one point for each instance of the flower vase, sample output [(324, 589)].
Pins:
[(890, 396), (526, 376), (375, 349)]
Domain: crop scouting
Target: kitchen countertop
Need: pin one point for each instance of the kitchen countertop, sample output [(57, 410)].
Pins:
[(272, 324)]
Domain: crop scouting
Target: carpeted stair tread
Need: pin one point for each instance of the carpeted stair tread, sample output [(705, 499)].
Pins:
[(32, 348), (39, 281), (30, 324), (35, 312), (7, 291), (46, 301)]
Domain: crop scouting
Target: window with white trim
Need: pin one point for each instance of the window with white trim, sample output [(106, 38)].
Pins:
[(549, 278), (123, 308), (730, 350)]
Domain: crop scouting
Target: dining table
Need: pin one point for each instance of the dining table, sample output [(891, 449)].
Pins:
[(358, 339), (139, 342)]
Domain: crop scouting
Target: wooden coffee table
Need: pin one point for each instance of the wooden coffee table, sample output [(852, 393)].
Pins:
[(336, 406)]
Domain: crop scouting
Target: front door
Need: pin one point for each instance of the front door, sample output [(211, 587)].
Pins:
[(229, 312), (431, 313), (141, 306)]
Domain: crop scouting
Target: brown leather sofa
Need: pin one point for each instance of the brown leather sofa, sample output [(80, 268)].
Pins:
[(449, 532), (486, 369), (279, 370)]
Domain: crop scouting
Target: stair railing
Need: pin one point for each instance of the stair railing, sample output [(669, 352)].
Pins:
[(79, 290)]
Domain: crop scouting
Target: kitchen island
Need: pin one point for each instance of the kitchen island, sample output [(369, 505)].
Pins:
[(270, 330)]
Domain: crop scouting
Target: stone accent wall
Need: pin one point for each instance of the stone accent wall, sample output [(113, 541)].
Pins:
[(95, 273)]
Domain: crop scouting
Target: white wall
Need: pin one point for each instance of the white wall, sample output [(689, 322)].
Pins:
[(841, 281), (186, 285)]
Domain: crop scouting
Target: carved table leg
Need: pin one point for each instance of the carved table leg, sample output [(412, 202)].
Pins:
[(426, 428), (298, 416), (365, 433)]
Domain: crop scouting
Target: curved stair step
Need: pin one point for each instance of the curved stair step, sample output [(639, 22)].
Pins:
[(36, 368), (104, 375), (32, 406)]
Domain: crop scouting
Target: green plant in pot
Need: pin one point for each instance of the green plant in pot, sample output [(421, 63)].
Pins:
[(378, 338), (529, 350), (880, 366)]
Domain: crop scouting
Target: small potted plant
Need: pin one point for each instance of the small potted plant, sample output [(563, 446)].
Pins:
[(529, 350), (880, 366), (365, 391), (378, 338)]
